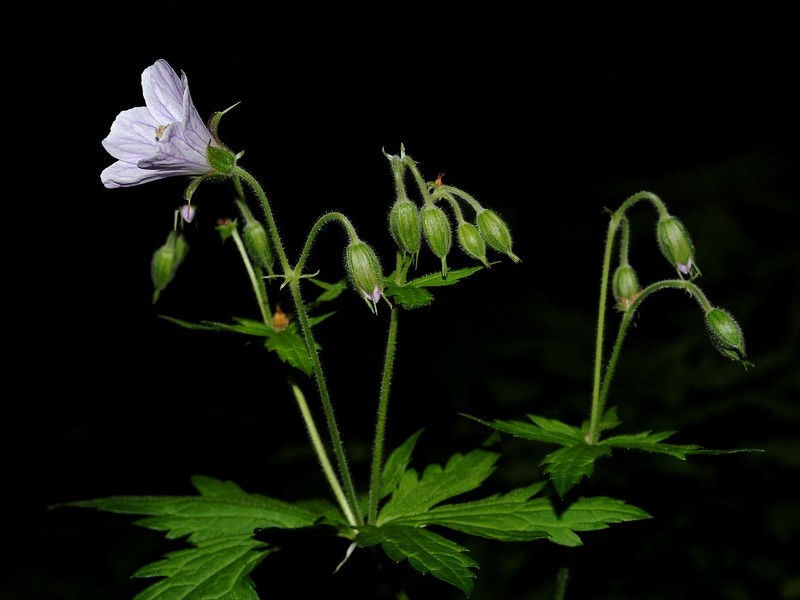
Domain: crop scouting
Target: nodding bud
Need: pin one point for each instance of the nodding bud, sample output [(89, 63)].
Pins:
[(404, 225), (438, 232), (495, 233), (676, 246), (166, 261), (726, 335), (364, 271), (625, 286), (188, 212), (256, 242), (471, 242)]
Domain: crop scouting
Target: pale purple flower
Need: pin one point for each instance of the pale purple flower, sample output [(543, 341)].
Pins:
[(166, 137)]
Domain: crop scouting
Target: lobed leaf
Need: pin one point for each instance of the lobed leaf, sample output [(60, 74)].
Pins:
[(426, 551), (396, 464), (461, 474), (221, 509), (408, 296), (541, 430), (567, 466), (291, 349), (217, 569)]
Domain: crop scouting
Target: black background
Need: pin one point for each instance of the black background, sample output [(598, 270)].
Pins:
[(549, 116)]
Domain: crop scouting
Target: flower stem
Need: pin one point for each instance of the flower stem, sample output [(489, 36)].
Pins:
[(322, 456), (302, 315), (255, 280), (617, 217), (380, 424), (690, 287)]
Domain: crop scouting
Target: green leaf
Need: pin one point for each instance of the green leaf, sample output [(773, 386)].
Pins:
[(218, 569), (331, 290), (541, 430), (567, 466), (651, 442), (461, 474), (245, 326), (221, 509), (412, 295), (515, 517), (408, 296), (426, 551), (291, 349), (396, 464), (219, 523), (436, 279), (591, 514)]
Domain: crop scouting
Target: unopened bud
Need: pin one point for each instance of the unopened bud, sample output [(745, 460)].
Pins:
[(404, 225), (726, 335), (495, 233), (188, 212), (625, 286), (166, 261), (471, 242), (676, 245), (364, 271), (438, 232), (256, 241), (221, 159)]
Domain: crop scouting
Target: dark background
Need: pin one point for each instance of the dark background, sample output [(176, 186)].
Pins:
[(548, 116)]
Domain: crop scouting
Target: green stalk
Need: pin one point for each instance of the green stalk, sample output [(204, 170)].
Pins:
[(255, 280), (302, 315), (598, 401), (322, 456), (380, 424)]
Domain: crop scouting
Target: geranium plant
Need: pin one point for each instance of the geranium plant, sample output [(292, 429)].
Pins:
[(409, 511)]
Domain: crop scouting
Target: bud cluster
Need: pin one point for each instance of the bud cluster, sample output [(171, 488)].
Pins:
[(409, 224)]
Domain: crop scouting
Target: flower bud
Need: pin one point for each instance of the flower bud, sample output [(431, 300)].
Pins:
[(625, 286), (188, 212), (221, 159), (495, 232), (166, 261), (438, 233), (404, 225), (471, 242), (676, 245), (257, 244), (364, 271), (726, 335)]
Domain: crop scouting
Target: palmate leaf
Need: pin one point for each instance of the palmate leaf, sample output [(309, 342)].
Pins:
[(426, 551), (221, 509), (287, 343), (396, 464), (575, 460), (416, 504), (413, 293), (218, 569), (219, 525), (517, 517), (291, 348), (568, 465), (461, 474)]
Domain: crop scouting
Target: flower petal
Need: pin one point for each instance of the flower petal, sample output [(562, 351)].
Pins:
[(178, 154), (163, 93), (197, 133), (132, 135), (124, 174)]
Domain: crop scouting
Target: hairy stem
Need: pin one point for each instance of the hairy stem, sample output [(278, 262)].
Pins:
[(302, 315)]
